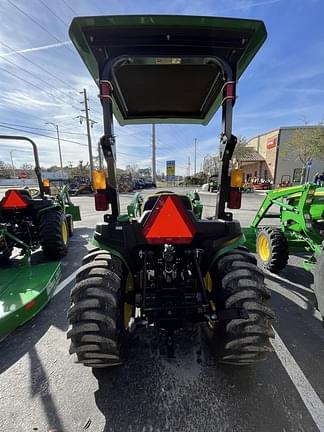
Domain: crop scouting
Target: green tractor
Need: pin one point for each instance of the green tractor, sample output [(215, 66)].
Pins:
[(29, 219), (162, 264), (213, 183), (299, 227)]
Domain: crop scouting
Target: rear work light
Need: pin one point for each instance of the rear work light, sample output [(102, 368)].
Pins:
[(169, 222), (14, 200), (234, 199), (101, 200)]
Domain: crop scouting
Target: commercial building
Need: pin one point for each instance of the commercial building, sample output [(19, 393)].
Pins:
[(270, 161)]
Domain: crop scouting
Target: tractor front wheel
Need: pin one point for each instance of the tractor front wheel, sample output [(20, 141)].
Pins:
[(54, 234), (272, 249), (98, 332), (239, 285)]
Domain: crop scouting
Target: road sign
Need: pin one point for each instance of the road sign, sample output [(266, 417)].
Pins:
[(170, 170), (23, 175)]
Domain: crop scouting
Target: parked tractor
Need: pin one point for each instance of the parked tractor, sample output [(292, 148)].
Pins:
[(30, 219), (161, 264), (213, 183), (298, 227)]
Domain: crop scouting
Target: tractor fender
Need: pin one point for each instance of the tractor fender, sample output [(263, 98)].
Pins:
[(113, 252), (50, 208), (228, 246)]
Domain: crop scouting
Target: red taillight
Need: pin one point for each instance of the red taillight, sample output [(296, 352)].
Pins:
[(30, 305), (101, 200), (234, 199), (169, 222), (14, 200)]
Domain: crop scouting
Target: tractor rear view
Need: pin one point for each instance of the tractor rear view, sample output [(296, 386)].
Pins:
[(30, 219), (161, 264)]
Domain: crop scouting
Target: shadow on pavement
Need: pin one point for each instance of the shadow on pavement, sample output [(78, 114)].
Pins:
[(40, 388), (23, 339), (189, 393), (296, 274), (299, 324)]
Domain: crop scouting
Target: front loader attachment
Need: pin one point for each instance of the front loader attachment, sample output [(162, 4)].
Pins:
[(25, 289)]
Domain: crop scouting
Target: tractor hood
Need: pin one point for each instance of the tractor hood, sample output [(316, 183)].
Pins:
[(166, 69)]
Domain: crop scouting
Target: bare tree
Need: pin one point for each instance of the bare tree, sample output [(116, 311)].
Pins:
[(5, 170), (241, 149)]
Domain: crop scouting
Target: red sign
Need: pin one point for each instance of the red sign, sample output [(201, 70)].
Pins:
[(271, 143), (13, 199), (169, 222), (23, 175)]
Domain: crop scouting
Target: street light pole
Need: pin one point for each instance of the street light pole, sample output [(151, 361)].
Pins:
[(58, 142), (12, 163), (195, 156), (153, 154)]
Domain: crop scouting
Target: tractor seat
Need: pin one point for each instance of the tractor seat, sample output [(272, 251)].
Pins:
[(152, 199)]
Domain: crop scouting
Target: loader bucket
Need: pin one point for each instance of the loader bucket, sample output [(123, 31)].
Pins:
[(74, 211), (25, 289)]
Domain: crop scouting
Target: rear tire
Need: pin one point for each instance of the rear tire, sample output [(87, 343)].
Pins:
[(97, 333), (70, 223), (238, 283), (272, 249), (54, 234)]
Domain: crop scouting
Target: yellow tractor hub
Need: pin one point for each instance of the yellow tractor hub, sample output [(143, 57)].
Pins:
[(263, 248), (65, 233)]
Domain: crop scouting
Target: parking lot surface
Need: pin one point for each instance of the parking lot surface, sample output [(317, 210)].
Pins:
[(43, 390)]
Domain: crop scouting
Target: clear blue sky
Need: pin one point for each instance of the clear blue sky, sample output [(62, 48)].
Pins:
[(283, 86)]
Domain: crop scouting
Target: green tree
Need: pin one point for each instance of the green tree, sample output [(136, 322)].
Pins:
[(306, 144)]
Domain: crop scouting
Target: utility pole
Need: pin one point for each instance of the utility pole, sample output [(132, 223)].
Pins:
[(58, 142), (89, 123), (195, 156), (188, 166), (88, 131), (12, 163), (99, 156), (153, 155)]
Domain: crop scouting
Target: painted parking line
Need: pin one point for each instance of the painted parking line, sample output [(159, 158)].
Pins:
[(308, 395), (65, 282)]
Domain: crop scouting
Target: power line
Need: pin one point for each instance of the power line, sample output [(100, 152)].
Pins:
[(40, 134), (3, 56), (69, 7), (37, 65), (40, 25), (52, 12), (20, 79), (37, 77), (42, 129), (36, 86)]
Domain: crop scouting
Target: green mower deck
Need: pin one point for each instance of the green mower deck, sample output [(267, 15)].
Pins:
[(25, 289)]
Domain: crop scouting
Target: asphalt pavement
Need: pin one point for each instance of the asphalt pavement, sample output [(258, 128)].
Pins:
[(41, 389)]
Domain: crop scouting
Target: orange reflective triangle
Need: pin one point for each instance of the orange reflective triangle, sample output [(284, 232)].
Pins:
[(169, 222), (13, 199)]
